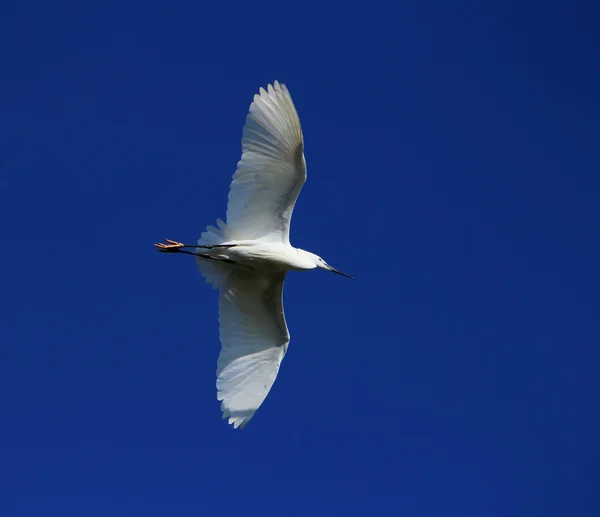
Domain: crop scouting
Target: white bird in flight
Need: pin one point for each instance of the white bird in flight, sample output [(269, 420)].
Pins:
[(248, 257)]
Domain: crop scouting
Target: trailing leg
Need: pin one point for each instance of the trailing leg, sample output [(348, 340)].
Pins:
[(174, 246)]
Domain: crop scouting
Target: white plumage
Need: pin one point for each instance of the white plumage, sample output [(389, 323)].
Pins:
[(247, 258), (272, 170)]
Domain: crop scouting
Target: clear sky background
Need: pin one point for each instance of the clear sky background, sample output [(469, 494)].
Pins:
[(453, 168)]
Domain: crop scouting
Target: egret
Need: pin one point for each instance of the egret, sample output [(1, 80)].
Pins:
[(247, 257)]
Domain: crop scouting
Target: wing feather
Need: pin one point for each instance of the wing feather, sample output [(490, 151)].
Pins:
[(254, 339), (272, 169)]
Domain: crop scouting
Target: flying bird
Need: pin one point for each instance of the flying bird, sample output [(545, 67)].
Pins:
[(247, 257)]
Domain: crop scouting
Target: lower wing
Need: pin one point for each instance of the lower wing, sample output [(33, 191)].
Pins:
[(254, 338)]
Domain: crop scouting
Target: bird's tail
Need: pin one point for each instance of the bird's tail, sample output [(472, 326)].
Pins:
[(214, 272)]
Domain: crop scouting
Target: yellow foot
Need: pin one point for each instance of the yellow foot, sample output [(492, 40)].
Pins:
[(171, 246)]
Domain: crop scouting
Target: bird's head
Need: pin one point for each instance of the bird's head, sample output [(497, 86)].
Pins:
[(317, 261)]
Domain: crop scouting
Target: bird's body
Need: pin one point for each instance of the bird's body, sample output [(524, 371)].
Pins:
[(261, 256), (247, 257)]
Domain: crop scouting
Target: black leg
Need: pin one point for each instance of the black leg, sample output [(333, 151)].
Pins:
[(208, 246)]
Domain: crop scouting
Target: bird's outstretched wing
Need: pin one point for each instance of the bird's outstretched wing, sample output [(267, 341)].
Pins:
[(272, 170), (254, 339)]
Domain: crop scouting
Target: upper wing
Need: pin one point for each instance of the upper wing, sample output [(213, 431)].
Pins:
[(254, 339), (272, 170)]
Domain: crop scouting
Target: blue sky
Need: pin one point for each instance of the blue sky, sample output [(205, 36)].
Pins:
[(453, 168)]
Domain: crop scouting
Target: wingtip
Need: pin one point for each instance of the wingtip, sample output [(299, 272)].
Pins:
[(237, 422), (275, 86), (237, 419)]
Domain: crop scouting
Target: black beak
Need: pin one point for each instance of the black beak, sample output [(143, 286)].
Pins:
[(337, 271)]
